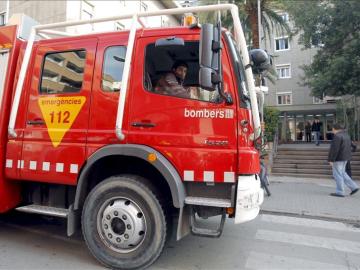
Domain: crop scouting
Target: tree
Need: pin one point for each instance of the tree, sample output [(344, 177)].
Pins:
[(271, 119), (333, 26), (248, 12)]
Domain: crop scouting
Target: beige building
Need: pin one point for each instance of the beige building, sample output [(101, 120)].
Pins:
[(68, 10)]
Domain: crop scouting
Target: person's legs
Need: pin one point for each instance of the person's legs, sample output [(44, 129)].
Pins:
[(348, 169), (317, 136), (348, 181), (338, 176)]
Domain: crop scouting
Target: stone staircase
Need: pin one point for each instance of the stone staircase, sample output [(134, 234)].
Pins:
[(308, 160)]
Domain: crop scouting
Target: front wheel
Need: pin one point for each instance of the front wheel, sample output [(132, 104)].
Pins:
[(123, 223)]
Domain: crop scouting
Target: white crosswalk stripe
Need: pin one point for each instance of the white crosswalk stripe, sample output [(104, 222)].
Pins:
[(258, 260), (300, 235), (309, 240), (312, 223)]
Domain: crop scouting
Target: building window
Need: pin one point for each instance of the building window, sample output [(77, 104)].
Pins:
[(317, 100), (143, 6), (284, 98), (114, 60), (2, 18), (119, 26), (284, 17), (63, 72), (283, 71), (282, 44)]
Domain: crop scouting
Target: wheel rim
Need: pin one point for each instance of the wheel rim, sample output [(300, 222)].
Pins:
[(121, 224)]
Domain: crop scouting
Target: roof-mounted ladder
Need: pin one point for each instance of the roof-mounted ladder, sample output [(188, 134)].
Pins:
[(47, 29)]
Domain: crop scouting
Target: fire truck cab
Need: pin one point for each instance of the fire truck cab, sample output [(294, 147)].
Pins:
[(88, 134)]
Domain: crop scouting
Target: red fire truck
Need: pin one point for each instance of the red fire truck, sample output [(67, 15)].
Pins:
[(86, 136)]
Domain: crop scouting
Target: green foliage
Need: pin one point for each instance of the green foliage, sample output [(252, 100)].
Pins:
[(335, 26), (271, 21), (271, 119)]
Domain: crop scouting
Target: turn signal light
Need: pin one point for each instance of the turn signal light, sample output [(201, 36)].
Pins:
[(152, 157), (189, 20), (230, 211)]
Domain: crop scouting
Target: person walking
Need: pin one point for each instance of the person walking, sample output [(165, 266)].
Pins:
[(308, 131), (339, 155), (348, 165), (316, 126)]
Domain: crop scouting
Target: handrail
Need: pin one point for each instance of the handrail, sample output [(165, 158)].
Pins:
[(276, 142), (239, 38)]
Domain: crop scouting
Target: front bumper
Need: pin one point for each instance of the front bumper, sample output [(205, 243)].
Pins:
[(249, 197)]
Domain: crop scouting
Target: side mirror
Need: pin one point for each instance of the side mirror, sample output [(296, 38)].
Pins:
[(169, 41), (260, 61), (208, 78), (210, 46)]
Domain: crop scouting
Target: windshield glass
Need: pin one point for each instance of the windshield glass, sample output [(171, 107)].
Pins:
[(238, 67)]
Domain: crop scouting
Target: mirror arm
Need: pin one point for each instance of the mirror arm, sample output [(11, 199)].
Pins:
[(216, 46)]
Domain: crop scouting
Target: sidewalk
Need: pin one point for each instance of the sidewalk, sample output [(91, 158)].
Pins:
[(310, 197)]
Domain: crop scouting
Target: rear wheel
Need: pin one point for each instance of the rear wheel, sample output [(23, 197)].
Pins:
[(123, 223)]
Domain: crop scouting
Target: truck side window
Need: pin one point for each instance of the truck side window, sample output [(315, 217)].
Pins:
[(114, 60), (63, 72), (162, 78)]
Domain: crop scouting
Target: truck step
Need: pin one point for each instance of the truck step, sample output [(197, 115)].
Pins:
[(69, 214), (212, 202), (198, 230), (44, 210)]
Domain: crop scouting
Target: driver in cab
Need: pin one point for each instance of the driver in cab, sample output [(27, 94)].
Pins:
[(172, 82)]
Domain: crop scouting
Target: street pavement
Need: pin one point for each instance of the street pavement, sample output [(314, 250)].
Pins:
[(300, 227), (310, 197)]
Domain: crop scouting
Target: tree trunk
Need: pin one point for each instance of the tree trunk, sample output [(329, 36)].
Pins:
[(253, 17)]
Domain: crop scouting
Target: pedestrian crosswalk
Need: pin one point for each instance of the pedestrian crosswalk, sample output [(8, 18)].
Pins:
[(309, 240), (299, 243), (258, 260)]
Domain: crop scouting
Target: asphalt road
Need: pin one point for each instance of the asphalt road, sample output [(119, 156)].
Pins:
[(269, 242)]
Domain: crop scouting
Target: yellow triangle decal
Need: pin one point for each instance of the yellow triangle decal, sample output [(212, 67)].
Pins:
[(59, 114)]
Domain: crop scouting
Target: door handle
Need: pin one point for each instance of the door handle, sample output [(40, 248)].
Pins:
[(143, 124), (36, 122)]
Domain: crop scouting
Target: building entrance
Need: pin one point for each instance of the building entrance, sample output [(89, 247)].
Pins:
[(292, 127)]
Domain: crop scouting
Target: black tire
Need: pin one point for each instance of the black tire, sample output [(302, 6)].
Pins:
[(110, 196)]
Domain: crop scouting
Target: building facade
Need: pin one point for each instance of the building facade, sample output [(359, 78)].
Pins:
[(295, 102), (69, 10)]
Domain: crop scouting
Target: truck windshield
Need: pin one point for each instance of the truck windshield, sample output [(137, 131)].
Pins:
[(239, 71)]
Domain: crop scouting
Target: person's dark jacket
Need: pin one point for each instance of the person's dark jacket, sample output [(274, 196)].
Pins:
[(308, 128), (316, 126), (340, 148)]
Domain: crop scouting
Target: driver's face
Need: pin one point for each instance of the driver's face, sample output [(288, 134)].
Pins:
[(180, 72)]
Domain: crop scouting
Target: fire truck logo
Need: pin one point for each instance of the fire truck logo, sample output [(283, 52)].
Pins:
[(59, 114), (209, 113)]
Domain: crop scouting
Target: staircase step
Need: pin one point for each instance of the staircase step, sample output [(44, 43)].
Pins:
[(301, 166), (309, 170), (309, 152), (208, 202), (304, 175), (309, 166), (44, 210), (305, 161), (307, 157)]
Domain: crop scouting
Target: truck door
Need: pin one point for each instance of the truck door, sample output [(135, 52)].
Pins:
[(196, 133), (110, 57), (56, 126)]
